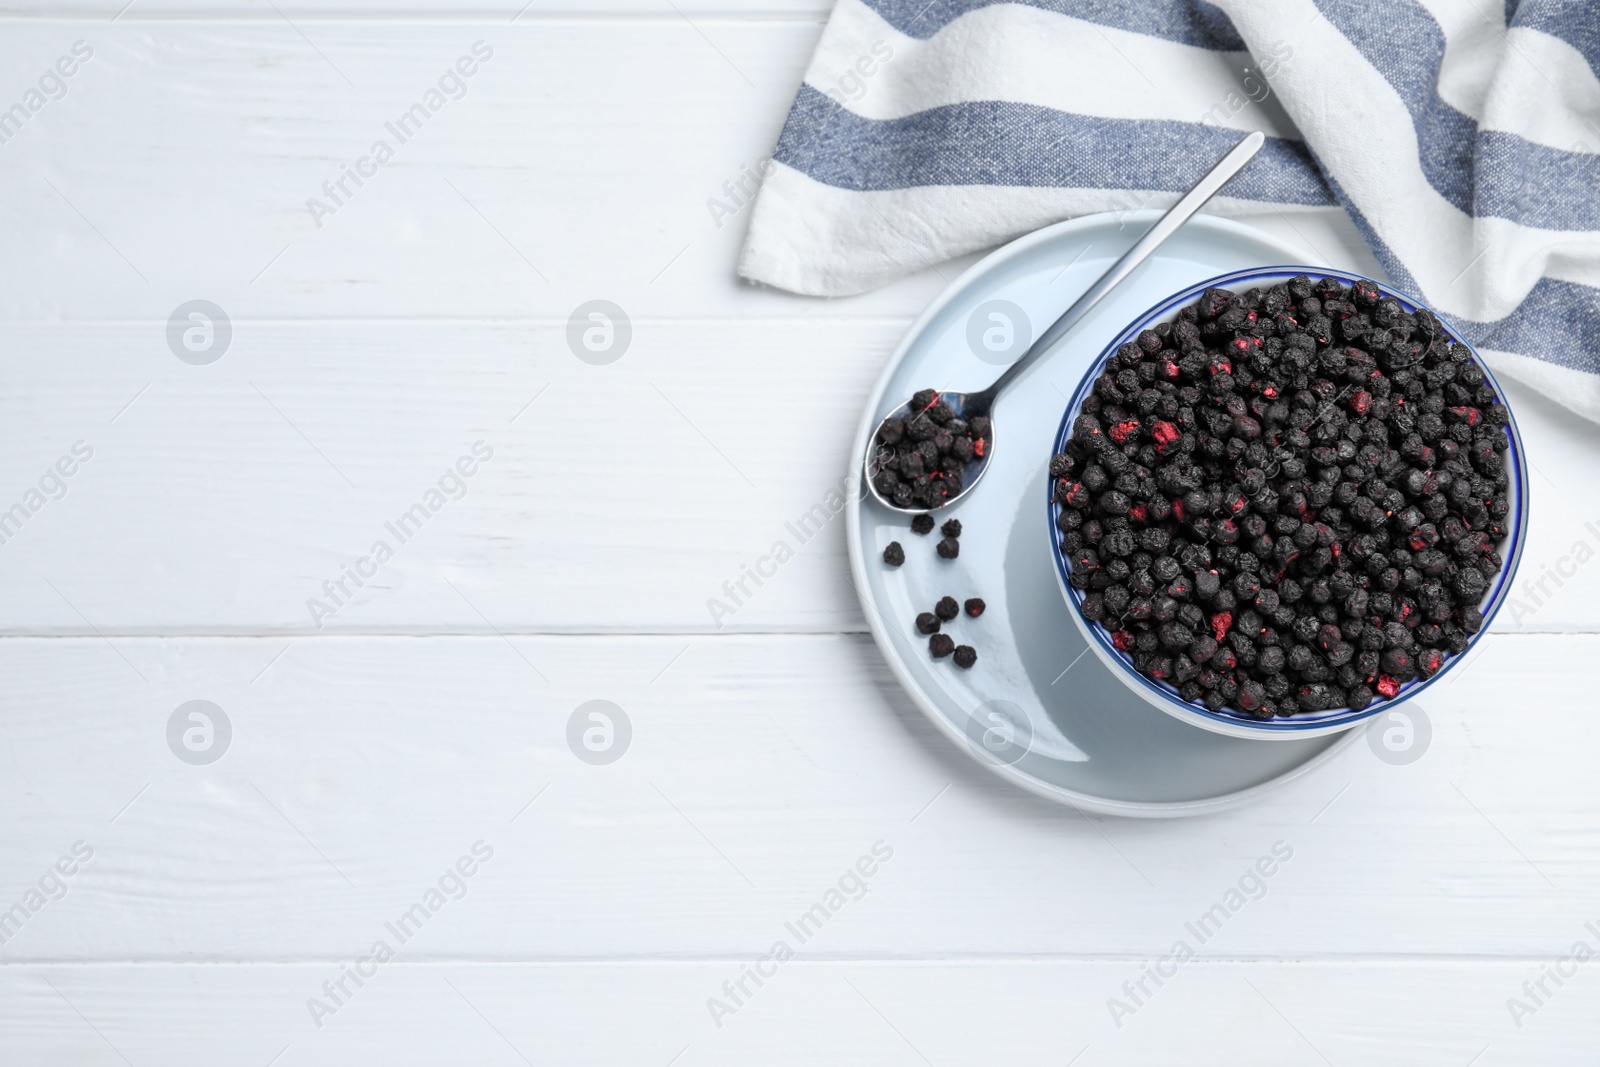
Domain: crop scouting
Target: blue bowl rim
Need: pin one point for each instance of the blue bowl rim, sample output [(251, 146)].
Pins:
[(1320, 721)]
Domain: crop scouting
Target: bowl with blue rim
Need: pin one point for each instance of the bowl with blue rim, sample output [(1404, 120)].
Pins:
[(1177, 685)]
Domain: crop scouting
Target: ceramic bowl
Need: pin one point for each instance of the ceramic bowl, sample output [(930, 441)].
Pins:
[(1227, 721)]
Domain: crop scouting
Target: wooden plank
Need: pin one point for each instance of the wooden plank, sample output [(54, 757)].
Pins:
[(577, 163), (760, 770), (221, 498), (1268, 1013), (624, 496)]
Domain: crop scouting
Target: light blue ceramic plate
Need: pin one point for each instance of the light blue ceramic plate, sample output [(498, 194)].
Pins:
[(1039, 708)]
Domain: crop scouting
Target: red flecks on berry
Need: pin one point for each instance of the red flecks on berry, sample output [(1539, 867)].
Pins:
[(1163, 434), (1386, 685), (1177, 510), (1123, 639), (977, 447), (1270, 391), (1361, 402), (1137, 512), (1467, 415), (1170, 370), (1120, 431), (1220, 623)]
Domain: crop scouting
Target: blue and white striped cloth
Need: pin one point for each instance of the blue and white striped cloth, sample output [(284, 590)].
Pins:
[(1461, 136)]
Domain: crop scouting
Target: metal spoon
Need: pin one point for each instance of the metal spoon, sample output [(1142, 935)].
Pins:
[(971, 405)]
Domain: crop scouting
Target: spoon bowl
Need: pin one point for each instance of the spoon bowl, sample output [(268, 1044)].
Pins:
[(966, 406)]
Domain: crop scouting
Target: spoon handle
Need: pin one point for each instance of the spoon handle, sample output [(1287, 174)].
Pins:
[(1165, 226)]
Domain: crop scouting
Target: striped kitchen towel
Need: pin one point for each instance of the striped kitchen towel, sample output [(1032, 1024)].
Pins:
[(1461, 136)]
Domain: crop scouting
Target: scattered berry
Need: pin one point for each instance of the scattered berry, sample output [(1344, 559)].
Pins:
[(941, 645), (974, 607), (928, 623), (965, 656), (947, 608), (951, 528), (921, 524), (949, 548), (1287, 500), (894, 555)]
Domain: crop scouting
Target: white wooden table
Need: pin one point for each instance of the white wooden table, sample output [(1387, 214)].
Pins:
[(376, 744)]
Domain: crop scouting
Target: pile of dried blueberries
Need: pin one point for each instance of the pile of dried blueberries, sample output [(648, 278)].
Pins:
[(919, 459), (1288, 500)]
